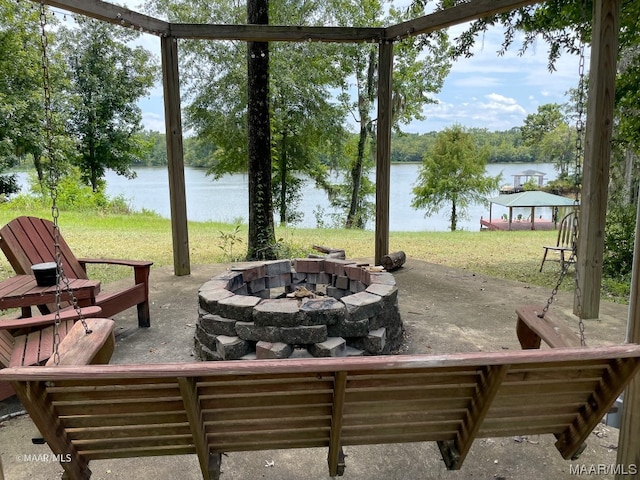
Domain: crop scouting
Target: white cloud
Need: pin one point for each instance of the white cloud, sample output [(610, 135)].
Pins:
[(500, 99), (495, 91), (153, 121)]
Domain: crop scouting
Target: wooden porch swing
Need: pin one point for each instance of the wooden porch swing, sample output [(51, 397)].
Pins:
[(88, 412)]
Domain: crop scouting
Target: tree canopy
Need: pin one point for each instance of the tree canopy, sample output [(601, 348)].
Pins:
[(107, 77), (21, 97), (453, 173)]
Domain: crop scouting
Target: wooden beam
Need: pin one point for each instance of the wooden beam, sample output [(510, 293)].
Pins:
[(277, 33), (383, 149), (615, 379), (107, 12), (43, 415), (189, 391), (462, 13), (629, 438), (597, 154), (454, 452), (175, 156), (466, 12), (335, 443)]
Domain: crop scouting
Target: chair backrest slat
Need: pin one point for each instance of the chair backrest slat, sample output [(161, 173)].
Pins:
[(27, 241), (565, 232)]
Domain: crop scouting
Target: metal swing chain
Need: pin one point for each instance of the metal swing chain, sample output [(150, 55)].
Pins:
[(576, 202), (54, 177), (578, 179)]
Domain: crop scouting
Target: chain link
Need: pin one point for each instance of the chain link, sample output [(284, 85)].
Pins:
[(579, 157), (54, 177)]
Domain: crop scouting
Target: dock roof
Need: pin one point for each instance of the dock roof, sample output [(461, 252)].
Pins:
[(534, 198)]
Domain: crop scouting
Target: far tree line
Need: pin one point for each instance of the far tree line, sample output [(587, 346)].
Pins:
[(506, 146)]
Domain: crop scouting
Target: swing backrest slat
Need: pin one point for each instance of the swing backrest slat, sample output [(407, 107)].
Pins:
[(114, 411)]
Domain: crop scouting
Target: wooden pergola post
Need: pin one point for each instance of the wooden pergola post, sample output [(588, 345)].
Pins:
[(597, 154), (383, 152), (629, 438), (175, 158)]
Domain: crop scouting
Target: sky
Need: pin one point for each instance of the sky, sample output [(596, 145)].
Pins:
[(484, 91)]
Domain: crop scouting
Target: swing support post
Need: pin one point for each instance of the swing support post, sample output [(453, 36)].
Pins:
[(175, 156), (597, 154), (629, 439)]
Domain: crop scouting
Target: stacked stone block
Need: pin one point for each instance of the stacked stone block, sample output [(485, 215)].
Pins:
[(250, 311)]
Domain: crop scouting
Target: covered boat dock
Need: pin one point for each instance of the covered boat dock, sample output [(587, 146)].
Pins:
[(529, 200)]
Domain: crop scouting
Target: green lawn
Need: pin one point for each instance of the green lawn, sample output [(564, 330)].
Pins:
[(509, 255)]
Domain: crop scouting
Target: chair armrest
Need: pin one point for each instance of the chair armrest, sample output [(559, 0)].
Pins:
[(49, 319), (115, 261)]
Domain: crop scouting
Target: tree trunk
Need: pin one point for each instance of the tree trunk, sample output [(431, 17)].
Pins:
[(629, 161), (365, 99), (261, 229), (356, 176), (283, 180), (454, 217)]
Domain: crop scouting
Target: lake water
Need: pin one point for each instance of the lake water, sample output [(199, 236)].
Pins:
[(226, 200)]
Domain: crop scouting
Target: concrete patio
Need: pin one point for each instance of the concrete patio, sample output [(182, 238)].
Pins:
[(444, 310)]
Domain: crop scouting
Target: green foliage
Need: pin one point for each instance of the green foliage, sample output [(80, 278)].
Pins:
[(619, 241), (453, 173), (537, 125), (419, 69), (229, 240), (71, 194), (565, 26), (154, 149), (287, 191), (306, 123), (550, 138), (503, 146), (356, 209), (561, 186), (107, 78), (21, 92), (530, 185)]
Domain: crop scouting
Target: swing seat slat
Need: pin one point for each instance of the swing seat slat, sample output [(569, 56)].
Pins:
[(207, 408)]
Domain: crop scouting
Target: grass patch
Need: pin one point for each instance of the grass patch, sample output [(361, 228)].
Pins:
[(144, 236)]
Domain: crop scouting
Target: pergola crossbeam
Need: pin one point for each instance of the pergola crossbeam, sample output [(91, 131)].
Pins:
[(465, 12), (277, 33), (107, 12)]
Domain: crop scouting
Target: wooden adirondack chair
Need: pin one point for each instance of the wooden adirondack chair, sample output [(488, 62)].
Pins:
[(29, 341), (27, 241), (564, 242)]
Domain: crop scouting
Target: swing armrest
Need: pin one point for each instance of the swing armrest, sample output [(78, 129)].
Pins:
[(531, 329), (49, 319), (82, 348)]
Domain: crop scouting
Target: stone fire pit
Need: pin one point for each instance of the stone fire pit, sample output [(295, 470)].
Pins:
[(309, 307)]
